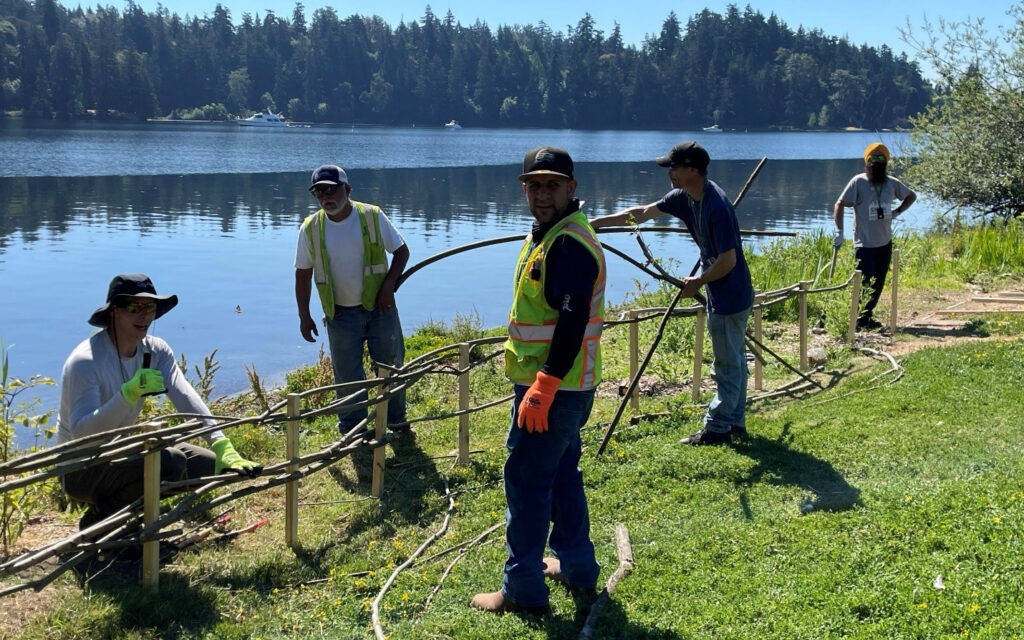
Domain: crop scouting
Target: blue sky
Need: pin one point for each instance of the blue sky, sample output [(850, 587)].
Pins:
[(869, 23)]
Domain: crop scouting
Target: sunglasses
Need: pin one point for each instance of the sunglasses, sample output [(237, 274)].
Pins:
[(134, 306), (326, 190), (877, 157)]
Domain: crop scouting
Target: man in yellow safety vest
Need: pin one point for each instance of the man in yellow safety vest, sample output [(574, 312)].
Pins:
[(346, 255), (553, 356)]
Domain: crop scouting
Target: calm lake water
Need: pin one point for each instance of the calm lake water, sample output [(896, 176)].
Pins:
[(211, 213)]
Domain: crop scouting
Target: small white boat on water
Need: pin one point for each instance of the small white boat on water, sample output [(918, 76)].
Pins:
[(712, 129), (453, 124), (267, 119)]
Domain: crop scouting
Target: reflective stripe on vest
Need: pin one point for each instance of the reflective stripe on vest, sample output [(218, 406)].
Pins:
[(375, 257), (532, 321)]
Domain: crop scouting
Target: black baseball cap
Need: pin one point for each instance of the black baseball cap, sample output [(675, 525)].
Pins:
[(328, 174), (686, 154), (552, 161)]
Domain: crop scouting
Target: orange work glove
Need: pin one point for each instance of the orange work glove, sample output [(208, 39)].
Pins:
[(533, 410)]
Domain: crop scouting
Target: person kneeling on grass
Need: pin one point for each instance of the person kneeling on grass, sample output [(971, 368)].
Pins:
[(103, 383)]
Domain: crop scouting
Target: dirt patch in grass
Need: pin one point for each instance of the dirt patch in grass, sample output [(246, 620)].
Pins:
[(19, 609)]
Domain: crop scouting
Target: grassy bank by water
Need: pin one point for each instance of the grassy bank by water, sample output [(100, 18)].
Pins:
[(870, 510)]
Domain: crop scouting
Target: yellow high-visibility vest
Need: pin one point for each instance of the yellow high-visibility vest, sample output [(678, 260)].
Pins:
[(531, 323), (375, 257)]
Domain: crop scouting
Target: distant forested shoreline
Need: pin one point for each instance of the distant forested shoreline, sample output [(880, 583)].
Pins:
[(738, 70)]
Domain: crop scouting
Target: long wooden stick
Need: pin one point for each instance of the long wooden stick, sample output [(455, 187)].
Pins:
[(636, 378), (378, 630), (625, 552)]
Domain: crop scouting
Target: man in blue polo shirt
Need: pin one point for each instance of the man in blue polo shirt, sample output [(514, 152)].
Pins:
[(710, 219)]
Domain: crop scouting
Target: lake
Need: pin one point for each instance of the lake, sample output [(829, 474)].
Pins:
[(211, 213)]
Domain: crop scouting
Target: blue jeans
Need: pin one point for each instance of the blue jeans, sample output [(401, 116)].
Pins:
[(728, 345), (544, 485), (382, 333)]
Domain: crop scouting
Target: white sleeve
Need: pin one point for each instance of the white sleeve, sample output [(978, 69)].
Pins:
[(389, 235), (303, 250), (89, 413)]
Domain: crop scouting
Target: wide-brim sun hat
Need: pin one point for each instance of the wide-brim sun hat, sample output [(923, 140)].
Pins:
[(131, 285)]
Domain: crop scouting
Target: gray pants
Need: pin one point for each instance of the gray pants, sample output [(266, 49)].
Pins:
[(108, 487)]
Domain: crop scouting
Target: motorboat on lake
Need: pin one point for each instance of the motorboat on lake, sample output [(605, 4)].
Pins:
[(268, 119), (453, 124), (712, 129)]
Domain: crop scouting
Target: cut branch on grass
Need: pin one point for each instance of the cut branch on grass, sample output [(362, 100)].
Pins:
[(465, 546), (378, 630), (625, 553)]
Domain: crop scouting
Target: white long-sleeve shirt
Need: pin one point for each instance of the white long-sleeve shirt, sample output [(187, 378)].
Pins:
[(91, 401)]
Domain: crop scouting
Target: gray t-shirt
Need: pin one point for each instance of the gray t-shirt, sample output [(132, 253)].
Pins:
[(872, 209), (91, 401)]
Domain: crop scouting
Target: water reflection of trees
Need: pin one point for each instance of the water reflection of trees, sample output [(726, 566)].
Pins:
[(787, 194)]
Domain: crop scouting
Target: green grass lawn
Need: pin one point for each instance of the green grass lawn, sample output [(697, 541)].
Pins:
[(832, 520)]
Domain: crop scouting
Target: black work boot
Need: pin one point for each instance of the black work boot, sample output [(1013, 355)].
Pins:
[(706, 436)]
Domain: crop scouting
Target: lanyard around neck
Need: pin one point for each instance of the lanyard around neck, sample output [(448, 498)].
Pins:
[(699, 214)]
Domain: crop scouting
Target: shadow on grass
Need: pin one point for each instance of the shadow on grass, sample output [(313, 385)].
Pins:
[(778, 464), (969, 329), (612, 624), (178, 610), (410, 475)]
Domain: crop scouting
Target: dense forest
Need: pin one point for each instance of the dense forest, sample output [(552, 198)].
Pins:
[(739, 70)]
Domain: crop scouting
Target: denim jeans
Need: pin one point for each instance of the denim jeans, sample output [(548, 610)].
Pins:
[(544, 485), (873, 263), (382, 332), (728, 345)]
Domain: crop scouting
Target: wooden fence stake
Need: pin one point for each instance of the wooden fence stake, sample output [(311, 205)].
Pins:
[(463, 458), (802, 300), (291, 488), (634, 359), (698, 353), (854, 306), (895, 284), (380, 453), (758, 367), (151, 511)]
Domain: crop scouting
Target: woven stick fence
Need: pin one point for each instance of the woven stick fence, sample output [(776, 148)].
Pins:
[(146, 522)]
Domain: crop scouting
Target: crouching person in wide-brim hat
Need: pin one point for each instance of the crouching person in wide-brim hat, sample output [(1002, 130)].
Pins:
[(103, 384)]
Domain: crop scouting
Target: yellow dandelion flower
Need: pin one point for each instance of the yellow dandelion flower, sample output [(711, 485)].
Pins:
[(405, 597), (997, 519), (372, 573), (975, 607), (923, 605), (909, 498)]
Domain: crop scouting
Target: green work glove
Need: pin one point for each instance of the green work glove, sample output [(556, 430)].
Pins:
[(145, 382), (229, 460)]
